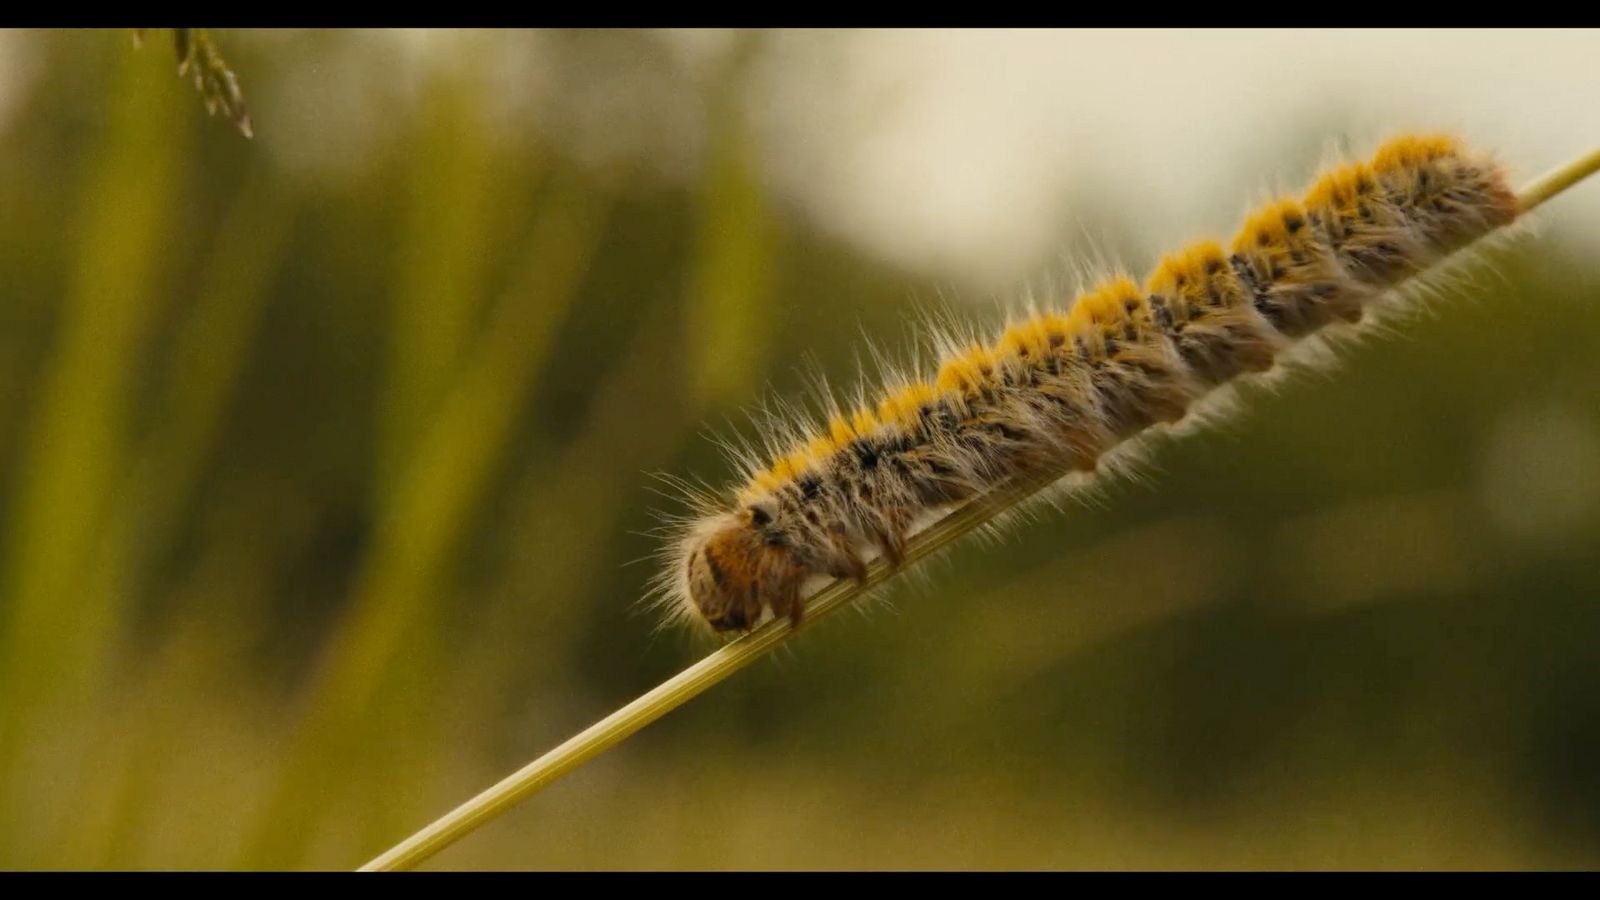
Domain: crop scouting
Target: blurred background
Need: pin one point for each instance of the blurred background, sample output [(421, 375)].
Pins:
[(324, 455)]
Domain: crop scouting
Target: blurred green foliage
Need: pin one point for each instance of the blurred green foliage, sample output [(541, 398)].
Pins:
[(319, 492)]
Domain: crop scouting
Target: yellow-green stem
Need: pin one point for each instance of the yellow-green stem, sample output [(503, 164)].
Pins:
[(721, 663), (1559, 179)]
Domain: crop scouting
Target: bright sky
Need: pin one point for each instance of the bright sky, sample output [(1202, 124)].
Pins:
[(980, 151)]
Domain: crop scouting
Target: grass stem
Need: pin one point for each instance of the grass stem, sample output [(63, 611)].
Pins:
[(732, 657)]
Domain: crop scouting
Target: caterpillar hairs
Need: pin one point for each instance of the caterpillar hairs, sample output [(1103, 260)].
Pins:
[(1056, 392), (1060, 392)]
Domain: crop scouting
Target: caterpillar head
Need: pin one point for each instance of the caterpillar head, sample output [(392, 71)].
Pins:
[(733, 573)]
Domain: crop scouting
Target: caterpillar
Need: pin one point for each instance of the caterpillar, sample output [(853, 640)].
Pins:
[(1054, 392)]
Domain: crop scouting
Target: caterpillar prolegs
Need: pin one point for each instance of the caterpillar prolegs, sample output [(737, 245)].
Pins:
[(1058, 390)]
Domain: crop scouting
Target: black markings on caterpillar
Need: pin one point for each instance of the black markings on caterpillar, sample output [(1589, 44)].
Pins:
[(1057, 391)]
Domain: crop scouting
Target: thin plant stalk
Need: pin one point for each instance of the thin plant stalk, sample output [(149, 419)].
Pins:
[(737, 654)]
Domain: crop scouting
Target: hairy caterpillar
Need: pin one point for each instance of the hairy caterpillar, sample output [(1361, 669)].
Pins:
[(1056, 391)]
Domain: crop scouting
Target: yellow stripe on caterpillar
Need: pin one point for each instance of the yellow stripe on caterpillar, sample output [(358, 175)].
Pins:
[(1058, 390)]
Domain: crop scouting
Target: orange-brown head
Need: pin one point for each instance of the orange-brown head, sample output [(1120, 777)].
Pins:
[(733, 574)]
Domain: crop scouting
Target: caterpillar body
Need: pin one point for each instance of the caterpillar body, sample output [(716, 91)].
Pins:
[(1056, 391)]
